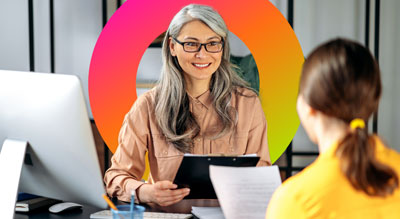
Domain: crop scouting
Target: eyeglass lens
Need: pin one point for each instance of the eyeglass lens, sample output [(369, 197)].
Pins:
[(210, 47)]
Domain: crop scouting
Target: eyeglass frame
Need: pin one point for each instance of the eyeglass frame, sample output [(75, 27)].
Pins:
[(201, 45)]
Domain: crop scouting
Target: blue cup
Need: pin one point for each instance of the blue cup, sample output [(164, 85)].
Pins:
[(124, 212)]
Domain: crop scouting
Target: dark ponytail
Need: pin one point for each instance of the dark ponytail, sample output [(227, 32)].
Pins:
[(358, 163), (342, 80)]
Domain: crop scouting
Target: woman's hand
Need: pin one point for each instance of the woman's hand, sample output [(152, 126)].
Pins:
[(163, 193)]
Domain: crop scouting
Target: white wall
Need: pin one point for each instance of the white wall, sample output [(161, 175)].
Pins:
[(77, 26), (14, 44), (389, 60), (316, 21)]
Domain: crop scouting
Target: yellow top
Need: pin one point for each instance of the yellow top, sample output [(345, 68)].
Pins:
[(322, 191)]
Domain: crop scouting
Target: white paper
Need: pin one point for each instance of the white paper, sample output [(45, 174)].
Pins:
[(208, 212), (244, 192)]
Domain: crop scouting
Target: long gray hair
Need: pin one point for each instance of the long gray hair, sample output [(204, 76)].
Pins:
[(172, 103)]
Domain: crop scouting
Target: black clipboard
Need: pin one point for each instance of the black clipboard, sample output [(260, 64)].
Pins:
[(194, 173)]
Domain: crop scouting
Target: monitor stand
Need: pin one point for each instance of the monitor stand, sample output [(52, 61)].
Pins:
[(11, 160)]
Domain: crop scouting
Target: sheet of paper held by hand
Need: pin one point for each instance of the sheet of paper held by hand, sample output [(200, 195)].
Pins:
[(244, 192)]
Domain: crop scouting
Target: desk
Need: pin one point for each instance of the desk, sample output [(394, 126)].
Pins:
[(185, 206), (44, 213), (83, 213)]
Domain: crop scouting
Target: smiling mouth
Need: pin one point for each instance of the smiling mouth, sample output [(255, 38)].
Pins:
[(201, 65)]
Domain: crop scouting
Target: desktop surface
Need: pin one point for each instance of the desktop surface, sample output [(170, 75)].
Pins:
[(184, 206), (44, 213), (86, 211)]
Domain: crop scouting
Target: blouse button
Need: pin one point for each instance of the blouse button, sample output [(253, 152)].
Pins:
[(198, 140), (231, 149), (165, 152)]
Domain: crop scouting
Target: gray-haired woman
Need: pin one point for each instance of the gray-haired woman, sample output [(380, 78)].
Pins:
[(199, 106)]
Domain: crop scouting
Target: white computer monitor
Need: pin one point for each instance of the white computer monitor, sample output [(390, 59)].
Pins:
[(49, 112)]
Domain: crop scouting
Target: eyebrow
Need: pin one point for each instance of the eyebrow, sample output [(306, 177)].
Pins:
[(194, 38)]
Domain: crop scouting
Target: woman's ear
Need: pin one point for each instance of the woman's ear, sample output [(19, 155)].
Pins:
[(171, 46), (308, 116), (306, 109), (306, 113)]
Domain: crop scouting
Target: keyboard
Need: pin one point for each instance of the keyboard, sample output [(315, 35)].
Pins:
[(106, 214)]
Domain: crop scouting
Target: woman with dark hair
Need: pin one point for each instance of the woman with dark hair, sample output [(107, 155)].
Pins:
[(355, 175), (199, 106)]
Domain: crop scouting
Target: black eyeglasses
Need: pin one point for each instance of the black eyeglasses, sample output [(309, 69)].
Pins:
[(212, 47)]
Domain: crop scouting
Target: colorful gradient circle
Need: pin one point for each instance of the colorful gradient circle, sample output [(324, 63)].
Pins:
[(265, 31)]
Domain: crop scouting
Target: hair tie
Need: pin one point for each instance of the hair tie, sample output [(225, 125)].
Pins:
[(357, 123)]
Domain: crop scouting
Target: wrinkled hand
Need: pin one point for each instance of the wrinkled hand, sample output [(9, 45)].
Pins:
[(163, 193)]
